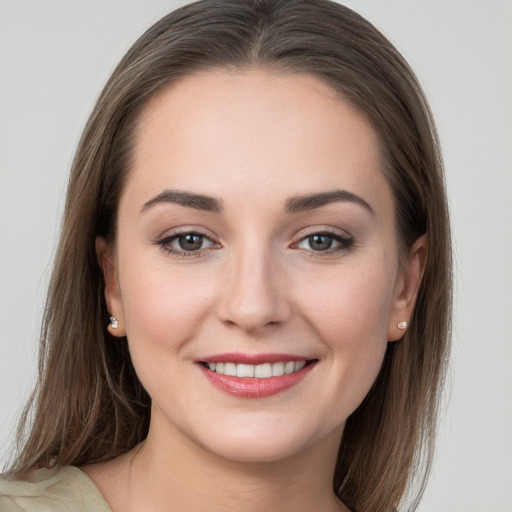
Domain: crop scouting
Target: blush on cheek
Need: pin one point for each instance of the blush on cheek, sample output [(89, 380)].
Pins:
[(162, 318), (162, 301), (349, 313), (352, 319)]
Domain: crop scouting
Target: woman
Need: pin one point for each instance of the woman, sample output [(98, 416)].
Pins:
[(257, 211)]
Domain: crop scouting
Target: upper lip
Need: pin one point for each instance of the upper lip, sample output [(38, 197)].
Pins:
[(254, 359)]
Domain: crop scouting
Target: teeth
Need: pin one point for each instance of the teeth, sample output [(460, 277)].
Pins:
[(245, 370), (263, 371), (230, 369), (299, 365), (289, 367), (277, 369), (260, 371)]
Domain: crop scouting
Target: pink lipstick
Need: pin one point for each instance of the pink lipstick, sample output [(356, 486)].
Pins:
[(255, 375)]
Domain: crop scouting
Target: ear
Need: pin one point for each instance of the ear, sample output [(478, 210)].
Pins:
[(406, 288), (108, 265)]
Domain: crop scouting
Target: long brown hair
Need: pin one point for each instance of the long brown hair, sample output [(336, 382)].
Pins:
[(89, 405)]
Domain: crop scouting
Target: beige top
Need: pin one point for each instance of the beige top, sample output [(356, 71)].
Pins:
[(60, 489)]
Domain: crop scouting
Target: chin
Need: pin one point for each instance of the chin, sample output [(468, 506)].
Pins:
[(256, 451), (265, 443)]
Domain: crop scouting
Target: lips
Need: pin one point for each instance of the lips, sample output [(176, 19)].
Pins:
[(255, 376)]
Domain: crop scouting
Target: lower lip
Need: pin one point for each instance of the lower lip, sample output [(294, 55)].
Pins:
[(250, 387)]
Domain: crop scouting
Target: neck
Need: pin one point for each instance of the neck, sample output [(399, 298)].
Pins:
[(179, 475)]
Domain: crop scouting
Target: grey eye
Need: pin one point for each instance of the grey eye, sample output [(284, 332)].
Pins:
[(191, 242), (319, 242), (186, 243), (325, 242)]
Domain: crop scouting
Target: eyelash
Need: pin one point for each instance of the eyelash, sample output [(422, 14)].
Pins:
[(165, 244), (345, 243)]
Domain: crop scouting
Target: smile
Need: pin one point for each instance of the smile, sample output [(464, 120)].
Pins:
[(259, 371), (257, 376)]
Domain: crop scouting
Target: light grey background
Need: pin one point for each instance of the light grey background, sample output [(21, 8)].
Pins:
[(55, 56)]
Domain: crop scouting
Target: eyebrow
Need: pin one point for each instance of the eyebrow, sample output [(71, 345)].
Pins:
[(187, 199), (312, 201), (292, 205)]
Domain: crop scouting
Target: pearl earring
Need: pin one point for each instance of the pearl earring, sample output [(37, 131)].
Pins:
[(114, 322), (402, 325)]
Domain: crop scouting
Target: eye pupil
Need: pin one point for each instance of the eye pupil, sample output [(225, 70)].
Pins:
[(320, 242), (190, 242)]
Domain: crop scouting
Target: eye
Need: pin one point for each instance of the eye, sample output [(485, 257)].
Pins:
[(325, 242), (190, 242), (186, 244)]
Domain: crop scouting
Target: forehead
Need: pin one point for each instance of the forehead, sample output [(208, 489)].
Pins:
[(254, 132)]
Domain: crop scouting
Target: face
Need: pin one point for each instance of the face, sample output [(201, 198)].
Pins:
[(255, 271)]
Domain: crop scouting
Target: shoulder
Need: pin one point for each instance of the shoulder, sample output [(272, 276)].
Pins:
[(59, 489)]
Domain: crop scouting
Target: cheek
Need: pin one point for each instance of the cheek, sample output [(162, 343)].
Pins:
[(163, 307), (350, 315), (351, 306)]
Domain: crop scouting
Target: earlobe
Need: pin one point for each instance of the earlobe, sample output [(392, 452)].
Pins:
[(406, 290), (107, 264)]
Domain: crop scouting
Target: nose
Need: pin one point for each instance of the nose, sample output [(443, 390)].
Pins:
[(254, 294)]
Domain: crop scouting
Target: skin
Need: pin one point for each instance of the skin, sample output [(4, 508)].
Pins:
[(251, 139)]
